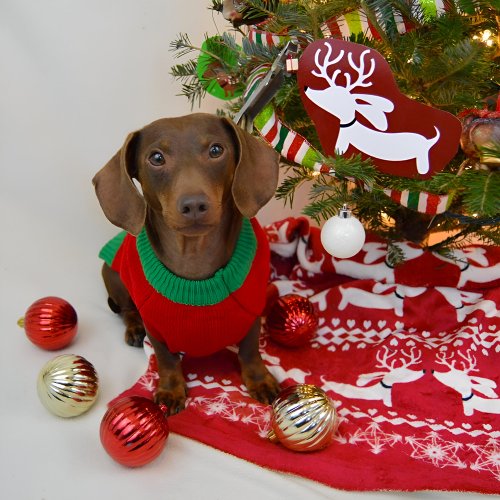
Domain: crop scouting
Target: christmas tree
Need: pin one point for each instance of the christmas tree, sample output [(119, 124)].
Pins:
[(444, 54)]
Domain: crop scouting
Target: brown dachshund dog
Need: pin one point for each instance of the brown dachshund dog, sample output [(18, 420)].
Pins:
[(201, 179)]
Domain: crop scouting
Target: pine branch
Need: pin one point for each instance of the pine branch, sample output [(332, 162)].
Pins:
[(482, 195), (194, 91), (492, 152), (185, 70), (395, 255), (183, 46), (322, 209), (354, 167), (287, 188), (216, 5), (455, 59), (258, 53), (328, 195), (280, 16)]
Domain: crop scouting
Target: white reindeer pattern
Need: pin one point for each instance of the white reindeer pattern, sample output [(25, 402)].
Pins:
[(341, 102), (382, 381), (468, 385)]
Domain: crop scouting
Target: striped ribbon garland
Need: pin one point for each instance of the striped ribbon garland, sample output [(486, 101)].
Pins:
[(285, 141), (265, 38), (297, 149), (288, 143), (351, 23), (356, 22), (421, 201)]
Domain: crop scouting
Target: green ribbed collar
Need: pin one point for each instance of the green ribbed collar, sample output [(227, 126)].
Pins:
[(200, 292)]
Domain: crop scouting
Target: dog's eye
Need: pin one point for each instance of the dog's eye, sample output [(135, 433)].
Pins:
[(215, 150), (156, 159)]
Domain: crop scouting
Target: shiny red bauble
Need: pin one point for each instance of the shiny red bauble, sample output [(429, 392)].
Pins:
[(134, 431), (292, 321), (50, 323)]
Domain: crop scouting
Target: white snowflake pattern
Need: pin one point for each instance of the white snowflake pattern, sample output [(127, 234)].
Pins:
[(224, 406), (375, 438), (434, 449), (488, 458), (149, 381)]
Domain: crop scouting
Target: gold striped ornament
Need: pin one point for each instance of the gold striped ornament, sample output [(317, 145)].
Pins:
[(68, 385), (303, 419)]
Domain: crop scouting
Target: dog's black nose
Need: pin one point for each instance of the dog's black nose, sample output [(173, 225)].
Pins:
[(193, 206)]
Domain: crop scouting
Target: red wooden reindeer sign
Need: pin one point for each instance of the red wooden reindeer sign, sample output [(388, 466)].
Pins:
[(351, 95)]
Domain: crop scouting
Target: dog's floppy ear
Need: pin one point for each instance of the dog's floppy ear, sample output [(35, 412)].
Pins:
[(256, 176), (120, 200)]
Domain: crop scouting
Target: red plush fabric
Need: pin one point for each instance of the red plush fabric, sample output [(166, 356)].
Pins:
[(409, 356), (192, 329)]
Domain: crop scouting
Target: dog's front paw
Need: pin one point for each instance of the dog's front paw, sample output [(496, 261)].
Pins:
[(134, 328), (261, 386), (173, 398), (134, 335)]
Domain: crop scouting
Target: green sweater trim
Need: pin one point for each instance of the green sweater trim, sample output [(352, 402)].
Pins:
[(109, 251), (200, 292)]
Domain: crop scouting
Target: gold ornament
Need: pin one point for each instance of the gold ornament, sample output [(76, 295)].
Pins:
[(304, 418), (67, 385)]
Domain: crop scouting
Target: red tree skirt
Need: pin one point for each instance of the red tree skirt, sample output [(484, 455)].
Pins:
[(410, 356)]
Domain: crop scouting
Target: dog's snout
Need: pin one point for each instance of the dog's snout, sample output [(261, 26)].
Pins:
[(193, 206)]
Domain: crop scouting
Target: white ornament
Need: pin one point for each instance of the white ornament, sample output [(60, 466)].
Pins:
[(343, 235)]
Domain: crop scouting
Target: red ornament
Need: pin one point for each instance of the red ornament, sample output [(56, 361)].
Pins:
[(350, 93), (50, 323), (292, 321), (134, 431)]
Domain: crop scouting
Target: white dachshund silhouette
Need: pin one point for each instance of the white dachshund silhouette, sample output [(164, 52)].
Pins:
[(466, 303), (377, 299), (342, 103)]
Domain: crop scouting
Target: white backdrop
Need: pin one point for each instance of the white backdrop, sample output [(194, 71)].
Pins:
[(76, 77)]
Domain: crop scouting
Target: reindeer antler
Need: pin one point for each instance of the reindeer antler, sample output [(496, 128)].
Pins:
[(360, 70), (443, 359), (383, 358), (414, 357), (468, 363), (326, 64)]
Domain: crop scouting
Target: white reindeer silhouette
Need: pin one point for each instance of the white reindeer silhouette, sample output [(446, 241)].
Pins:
[(384, 380), (468, 385), (342, 103)]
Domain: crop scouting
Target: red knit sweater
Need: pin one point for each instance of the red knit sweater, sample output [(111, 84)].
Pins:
[(195, 317)]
